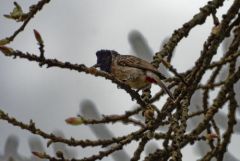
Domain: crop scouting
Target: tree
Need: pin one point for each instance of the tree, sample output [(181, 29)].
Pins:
[(174, 116)]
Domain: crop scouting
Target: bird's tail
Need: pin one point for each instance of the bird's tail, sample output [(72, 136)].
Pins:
[(156, 79), (165, 88)]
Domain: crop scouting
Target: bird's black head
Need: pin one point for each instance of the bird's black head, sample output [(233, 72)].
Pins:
[(104, 59)]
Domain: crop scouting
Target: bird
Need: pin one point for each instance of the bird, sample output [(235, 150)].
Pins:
[(133, 71)]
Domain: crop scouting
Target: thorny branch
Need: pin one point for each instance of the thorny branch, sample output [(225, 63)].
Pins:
[(31, 127), (32, 11), (173, 115), (77, 67)]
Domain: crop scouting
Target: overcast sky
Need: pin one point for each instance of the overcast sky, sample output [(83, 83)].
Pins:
[(73, 31)]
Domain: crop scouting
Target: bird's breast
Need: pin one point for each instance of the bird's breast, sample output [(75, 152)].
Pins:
[(134, 77)]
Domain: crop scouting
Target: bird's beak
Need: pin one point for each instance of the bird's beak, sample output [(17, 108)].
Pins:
[(96, 66)]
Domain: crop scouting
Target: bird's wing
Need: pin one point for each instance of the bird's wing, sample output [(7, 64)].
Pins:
[(135, 62)]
